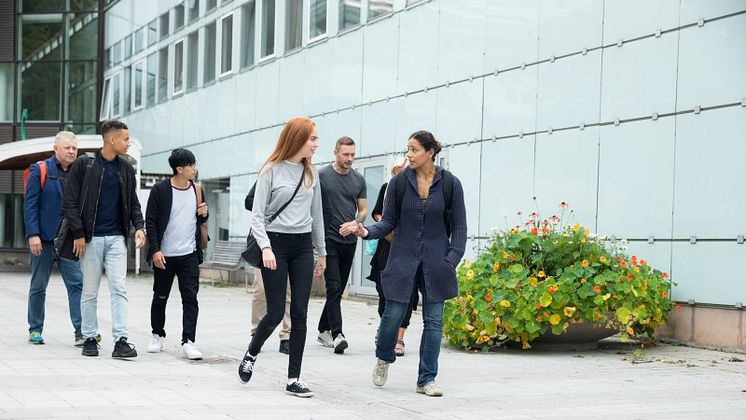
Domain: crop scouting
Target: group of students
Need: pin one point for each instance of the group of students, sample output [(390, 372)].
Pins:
[(316, 217)]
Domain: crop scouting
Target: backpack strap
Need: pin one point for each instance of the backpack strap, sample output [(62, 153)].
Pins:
[(197, 193), (447, 180), (400, 186), (42, 173)]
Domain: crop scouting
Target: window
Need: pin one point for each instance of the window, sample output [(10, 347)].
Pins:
[(80, 92), (226, 45), (293, 24), (152, 32), (192, 52), (107, 58), (164, 25), (6, 91), (105, 100), (349, 14), (139, 40), (116, 56), (150, 81), (317, 19), (83, 32), (127, 89), (268, 28), (193, 11), (178, 17), (179, 67), (139, 74), (163, 75), (378, 8), (127, 47), (40, 86), (210, 5), (41, 36), (248, 25), (209, 55), (115, 96)]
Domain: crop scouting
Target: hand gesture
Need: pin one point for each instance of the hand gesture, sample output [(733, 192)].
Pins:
[(34, 244), (348, 228)]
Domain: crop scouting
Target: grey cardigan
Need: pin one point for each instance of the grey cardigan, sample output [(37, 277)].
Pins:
[(421, 239)]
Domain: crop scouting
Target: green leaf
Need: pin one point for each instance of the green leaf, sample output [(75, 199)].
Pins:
[(545, 299), (622, 314), (516, 268)]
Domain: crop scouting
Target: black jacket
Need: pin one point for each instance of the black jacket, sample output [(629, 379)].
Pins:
[(81, 223), (157, 213)]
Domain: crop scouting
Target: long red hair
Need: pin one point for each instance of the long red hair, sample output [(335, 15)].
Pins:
[(293, 137)]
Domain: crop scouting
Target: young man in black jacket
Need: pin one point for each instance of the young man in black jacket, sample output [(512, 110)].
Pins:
[(174, 216), (100, 202)]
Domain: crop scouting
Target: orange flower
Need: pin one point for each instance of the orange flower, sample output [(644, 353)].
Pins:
[(553, 289), (643, 263), (664, 275), (596, 289), (599, 316), (664, 294), (495, 267), (631, 331), (585, 264), (534, 231), (623, 264), (634, 259), (629, 276), (678, 308), (538, 319), (488, 297), (538, 306)]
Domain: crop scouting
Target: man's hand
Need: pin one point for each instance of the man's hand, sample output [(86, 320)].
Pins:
[(202, 210), (34, 244), (79, 247), (268, 259), (159, 260), (320, 267), (139, 238), (348, 228), (360, 231)]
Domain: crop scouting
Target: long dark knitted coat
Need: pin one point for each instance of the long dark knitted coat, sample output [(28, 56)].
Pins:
[(421, 238)]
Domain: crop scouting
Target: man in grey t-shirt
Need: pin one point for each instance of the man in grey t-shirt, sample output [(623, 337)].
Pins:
[(344, 197)]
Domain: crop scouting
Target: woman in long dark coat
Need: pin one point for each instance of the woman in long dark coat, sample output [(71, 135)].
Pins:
[(423, 255)]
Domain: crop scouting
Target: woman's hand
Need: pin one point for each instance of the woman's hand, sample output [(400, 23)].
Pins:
[(320, 267), (360, 231), (268, 259)]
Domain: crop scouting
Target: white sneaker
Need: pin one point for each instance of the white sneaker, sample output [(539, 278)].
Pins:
[(190, 352), (340, 344), (380, 372), (325, 339), (156, 344), (431, 389)]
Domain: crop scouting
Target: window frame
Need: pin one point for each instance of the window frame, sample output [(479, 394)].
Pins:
[(118, 76), (323, 35), (260, 26), (143, 70), (243, 39), (219, 42), (181, 90)]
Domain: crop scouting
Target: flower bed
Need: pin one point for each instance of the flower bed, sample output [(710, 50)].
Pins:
[(544, 275)]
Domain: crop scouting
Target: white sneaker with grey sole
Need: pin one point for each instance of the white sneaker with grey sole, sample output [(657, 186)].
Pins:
[(325, 339), (380, 372), (189, 351), (156, 344)]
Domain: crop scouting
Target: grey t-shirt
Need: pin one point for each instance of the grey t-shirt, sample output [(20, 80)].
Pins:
[(339, 194)]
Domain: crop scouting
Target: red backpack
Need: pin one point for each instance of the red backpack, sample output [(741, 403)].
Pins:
[(42, 178)]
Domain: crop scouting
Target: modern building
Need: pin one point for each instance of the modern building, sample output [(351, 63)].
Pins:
[(633, 112)]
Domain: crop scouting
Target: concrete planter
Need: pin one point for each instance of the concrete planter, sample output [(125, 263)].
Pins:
[(579, 336)]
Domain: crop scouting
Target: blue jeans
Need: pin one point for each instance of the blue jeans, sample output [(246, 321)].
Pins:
[(432, 315), (41, 269), (104, 253)]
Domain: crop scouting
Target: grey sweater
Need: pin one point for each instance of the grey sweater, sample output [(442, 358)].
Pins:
[(274, 187)]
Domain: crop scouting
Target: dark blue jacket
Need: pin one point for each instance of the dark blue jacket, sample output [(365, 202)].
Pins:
[(421, 238), (42, 208)]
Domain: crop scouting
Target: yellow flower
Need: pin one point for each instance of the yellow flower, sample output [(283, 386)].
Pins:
[(587, 231), (469, 274), (602, 259), (495, 266), (533, 281), (569, 311), (576, 227), (525, 345), (583, 240), (505, 304), (469, 298), (606, 296), (555, 319), (541, 274), (505, 255), (637, 269)]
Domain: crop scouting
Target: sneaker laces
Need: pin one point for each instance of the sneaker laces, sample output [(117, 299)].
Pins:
[(300, 383), (247, 366)]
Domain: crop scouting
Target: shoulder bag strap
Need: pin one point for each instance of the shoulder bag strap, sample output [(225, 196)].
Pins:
[(274, 216)]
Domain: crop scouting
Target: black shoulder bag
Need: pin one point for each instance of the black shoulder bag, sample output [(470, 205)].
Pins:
[(253, 254)]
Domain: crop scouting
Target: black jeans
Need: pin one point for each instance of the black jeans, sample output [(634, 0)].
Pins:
[(186, 268), (339, 259), (294, 255)]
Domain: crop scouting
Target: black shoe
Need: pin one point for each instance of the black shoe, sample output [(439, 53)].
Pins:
[(123, 349), (246, 368), (285, 346), (299, 389), (90, 347)]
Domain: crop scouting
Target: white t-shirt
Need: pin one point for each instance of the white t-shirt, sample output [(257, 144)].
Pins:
[(179, 237)]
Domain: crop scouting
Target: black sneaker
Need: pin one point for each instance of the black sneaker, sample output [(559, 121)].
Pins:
[(285, 346), (246, 368), (90, 347), (123, 349), (299, 389)]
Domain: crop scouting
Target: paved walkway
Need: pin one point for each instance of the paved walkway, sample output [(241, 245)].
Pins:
[(54, 380)]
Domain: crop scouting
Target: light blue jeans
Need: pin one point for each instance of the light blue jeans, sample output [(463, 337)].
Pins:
[(107, 253)]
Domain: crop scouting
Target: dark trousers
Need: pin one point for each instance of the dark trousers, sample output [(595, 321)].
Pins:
[(413, 301), (339, 259), (186, 268), (294, 255)]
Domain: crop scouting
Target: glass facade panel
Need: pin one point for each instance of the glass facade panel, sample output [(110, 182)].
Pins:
[(268, 28), (211, 4), (248, 28), (139, 40), (127, 47), (41, 6), (151, 79), (6, 91), (115, 110), (378, 8), (84, 36), (40, 85), (163, 75), (178, 17), (178, 66), (152, 32), (138, 84), (192, 59), (317, 18), (349, 14), (164, 25), (81, 92), (127, 90), (226, 50), (193, 11), (41, 37), (84, 5), (116, 54), (209, 55), (293, 24)]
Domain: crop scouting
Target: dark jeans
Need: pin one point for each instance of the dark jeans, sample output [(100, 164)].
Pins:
[(186, 268), (432, 315), (378, 264), (294, 255), (339, 258), (407, 315), (41, 269)]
